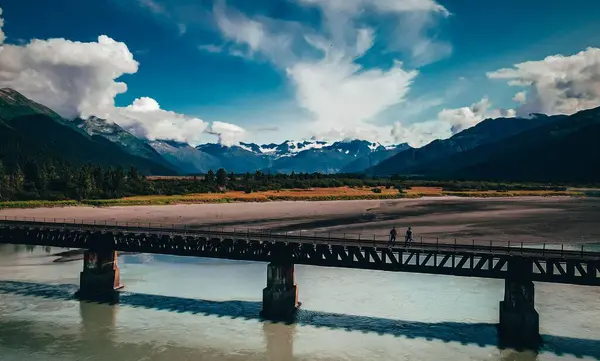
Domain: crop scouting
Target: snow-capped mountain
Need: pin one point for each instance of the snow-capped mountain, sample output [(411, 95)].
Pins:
[(301, 156), (306, 156), (334, 158), (285, 149)]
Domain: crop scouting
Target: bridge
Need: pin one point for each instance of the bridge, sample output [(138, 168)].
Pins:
[(518, 264)]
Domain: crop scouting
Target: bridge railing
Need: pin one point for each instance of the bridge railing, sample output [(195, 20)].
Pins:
[(306, 235)]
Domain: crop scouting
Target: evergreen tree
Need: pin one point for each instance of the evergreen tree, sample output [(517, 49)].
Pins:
[(247, 183), (210, 177), (221, 177)]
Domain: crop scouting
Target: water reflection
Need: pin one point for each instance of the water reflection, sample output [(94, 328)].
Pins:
[(279, 340), (99, 320)]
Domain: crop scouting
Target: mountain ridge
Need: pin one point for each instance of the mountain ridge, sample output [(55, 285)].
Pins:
[(487, 131)]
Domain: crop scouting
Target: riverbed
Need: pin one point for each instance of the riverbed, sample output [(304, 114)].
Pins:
[(516, 219)]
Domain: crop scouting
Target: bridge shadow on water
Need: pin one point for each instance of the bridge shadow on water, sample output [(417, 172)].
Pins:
[(480, 334)]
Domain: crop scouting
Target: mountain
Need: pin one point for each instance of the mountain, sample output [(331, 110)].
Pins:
[(286, 149), (238, 159), (374, 158), (565, 150), (119, 136), (333, 158), (184, 157), (31, 130), (487, 131)]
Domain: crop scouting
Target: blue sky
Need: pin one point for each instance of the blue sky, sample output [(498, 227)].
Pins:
[(245, 68)]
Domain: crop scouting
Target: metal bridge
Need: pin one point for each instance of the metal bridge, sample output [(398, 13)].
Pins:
[(517, 264), (476, 259)]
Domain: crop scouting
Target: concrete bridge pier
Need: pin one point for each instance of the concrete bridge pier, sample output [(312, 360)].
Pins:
[(100, 277), (280, 297), (519, 321)]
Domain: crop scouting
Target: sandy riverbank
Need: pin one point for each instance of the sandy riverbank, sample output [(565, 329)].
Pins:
[(528, 219)]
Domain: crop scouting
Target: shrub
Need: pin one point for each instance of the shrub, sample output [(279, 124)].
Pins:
[(376, 190)]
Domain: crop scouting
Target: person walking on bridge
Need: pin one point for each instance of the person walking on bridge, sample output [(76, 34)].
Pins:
[(408, 238), (393, 234)]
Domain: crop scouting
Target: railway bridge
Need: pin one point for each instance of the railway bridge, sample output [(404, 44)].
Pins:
[(519, 265)]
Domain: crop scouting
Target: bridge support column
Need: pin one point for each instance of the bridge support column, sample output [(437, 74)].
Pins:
[(100, 277), (519, 321), (280, 297)]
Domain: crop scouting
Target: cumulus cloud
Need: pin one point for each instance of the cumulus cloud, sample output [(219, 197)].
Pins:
[(81, 79), (70, 77), (448, 123), (557, 84)]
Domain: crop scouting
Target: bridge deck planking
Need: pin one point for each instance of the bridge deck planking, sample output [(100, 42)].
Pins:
[(557, 266)]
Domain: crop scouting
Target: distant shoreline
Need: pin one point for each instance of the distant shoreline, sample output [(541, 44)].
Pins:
[(311, 195)]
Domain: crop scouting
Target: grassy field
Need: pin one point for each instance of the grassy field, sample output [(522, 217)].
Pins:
[(315, 194)]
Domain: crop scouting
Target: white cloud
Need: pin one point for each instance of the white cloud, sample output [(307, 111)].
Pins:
[(343, 97), (448, 123), (144, 118), (70, 77), (520, 97), (557, 84), (144, 104), (462, 118), (420, 134), (81, 79), (413, 21), (229, 134), (2, 36), (355, 6), (249, 37)]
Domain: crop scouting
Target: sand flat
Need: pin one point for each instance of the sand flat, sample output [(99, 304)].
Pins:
[(519, 219)]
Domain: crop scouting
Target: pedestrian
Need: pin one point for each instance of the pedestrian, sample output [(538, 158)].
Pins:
[(408, 237), (393, 234)]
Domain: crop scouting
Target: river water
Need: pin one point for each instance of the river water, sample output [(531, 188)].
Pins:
[(176, 308)]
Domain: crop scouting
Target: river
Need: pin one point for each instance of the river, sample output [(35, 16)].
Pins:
[(176, 308)]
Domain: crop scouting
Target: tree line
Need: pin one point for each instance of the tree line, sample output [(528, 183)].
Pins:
[(56, 180)]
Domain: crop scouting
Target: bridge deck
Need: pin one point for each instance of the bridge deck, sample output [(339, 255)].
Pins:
[(478, 259)]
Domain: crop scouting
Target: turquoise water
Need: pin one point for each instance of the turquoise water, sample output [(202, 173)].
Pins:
[(176, 308)]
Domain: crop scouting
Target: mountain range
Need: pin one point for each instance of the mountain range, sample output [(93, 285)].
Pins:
[(538, 147), (112, 144)]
